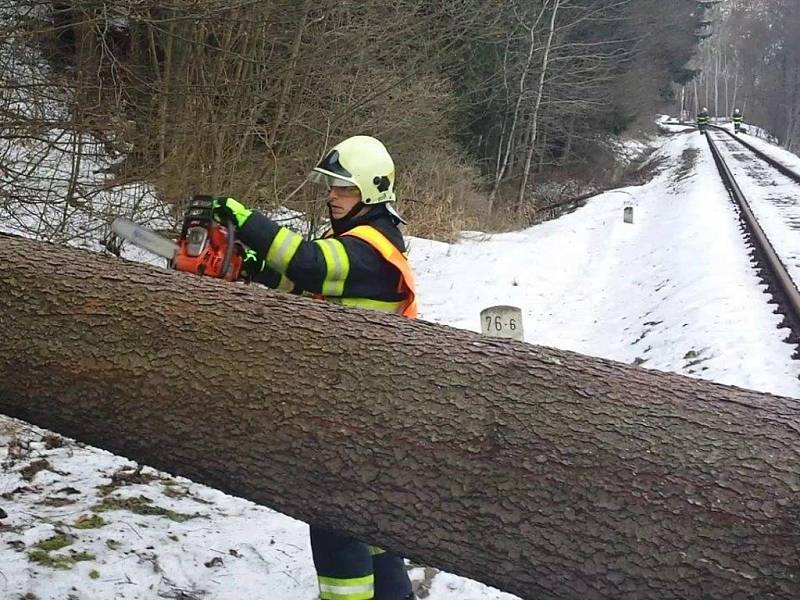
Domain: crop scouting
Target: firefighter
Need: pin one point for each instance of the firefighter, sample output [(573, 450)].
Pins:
[(738, 119), (359, 262), (703, 119)]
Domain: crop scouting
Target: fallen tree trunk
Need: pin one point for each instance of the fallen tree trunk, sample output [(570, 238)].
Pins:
[(545, 473)]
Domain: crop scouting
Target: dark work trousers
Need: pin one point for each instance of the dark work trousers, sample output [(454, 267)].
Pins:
[(346, 567)]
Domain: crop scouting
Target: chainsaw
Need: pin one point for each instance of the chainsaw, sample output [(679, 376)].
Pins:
[(204, 248)]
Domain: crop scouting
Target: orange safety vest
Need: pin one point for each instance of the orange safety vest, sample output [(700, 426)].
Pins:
[(393, 256)]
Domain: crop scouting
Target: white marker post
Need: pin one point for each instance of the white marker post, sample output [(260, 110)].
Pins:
[(628, 214), (502, 322)]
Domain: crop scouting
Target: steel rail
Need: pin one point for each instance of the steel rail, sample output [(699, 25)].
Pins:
[(773, 263), (790, 173)]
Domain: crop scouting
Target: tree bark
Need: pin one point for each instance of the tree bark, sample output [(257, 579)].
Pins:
[(545, 473)]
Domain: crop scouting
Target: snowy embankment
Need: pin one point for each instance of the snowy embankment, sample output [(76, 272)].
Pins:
[(675, 290), (57, 183), (771, 196), (784, 157), (80, 523)]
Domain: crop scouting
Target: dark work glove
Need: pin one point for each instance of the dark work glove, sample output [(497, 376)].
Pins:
[(252, 264)]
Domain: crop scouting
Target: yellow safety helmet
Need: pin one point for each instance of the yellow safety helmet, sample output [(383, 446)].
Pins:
[(361, 161)]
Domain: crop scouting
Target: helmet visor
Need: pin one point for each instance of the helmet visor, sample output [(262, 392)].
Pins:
[(328, 180), (331, 173), (330, 164)]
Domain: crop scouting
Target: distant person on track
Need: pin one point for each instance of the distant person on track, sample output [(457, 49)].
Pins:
[(738, 119), (703, 119)]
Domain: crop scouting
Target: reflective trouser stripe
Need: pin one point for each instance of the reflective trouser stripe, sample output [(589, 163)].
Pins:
[(283, 248), (338, 266), (356, 588), (384, 306), (375, 550)]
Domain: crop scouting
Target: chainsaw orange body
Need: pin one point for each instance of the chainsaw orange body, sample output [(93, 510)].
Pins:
[(202, 250), (207, 248), (204, 247)]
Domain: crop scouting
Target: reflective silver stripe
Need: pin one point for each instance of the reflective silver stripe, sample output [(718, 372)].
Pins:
[(338, 266), (344, 590), (282, 250), (381, 305)]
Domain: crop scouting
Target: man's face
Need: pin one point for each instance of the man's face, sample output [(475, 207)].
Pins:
[(341, 200)]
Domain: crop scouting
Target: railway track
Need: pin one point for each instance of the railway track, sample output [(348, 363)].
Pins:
[(767, 194)]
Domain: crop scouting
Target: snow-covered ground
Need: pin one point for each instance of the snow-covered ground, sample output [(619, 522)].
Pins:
[(55, 181), (772, 197), (668, 124), (73, 524), (783, 156), (675, 290)]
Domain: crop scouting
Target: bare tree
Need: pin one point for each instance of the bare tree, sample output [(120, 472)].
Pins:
[(534, 118)]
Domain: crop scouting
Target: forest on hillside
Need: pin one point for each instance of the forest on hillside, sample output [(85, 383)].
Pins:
[(751, 61), (479, 102)]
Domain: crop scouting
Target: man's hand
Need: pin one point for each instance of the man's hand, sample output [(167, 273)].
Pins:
[(226, 208)]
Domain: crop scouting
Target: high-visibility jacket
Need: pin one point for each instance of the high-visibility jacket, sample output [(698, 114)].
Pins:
[(391, 254), (361, 265)]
